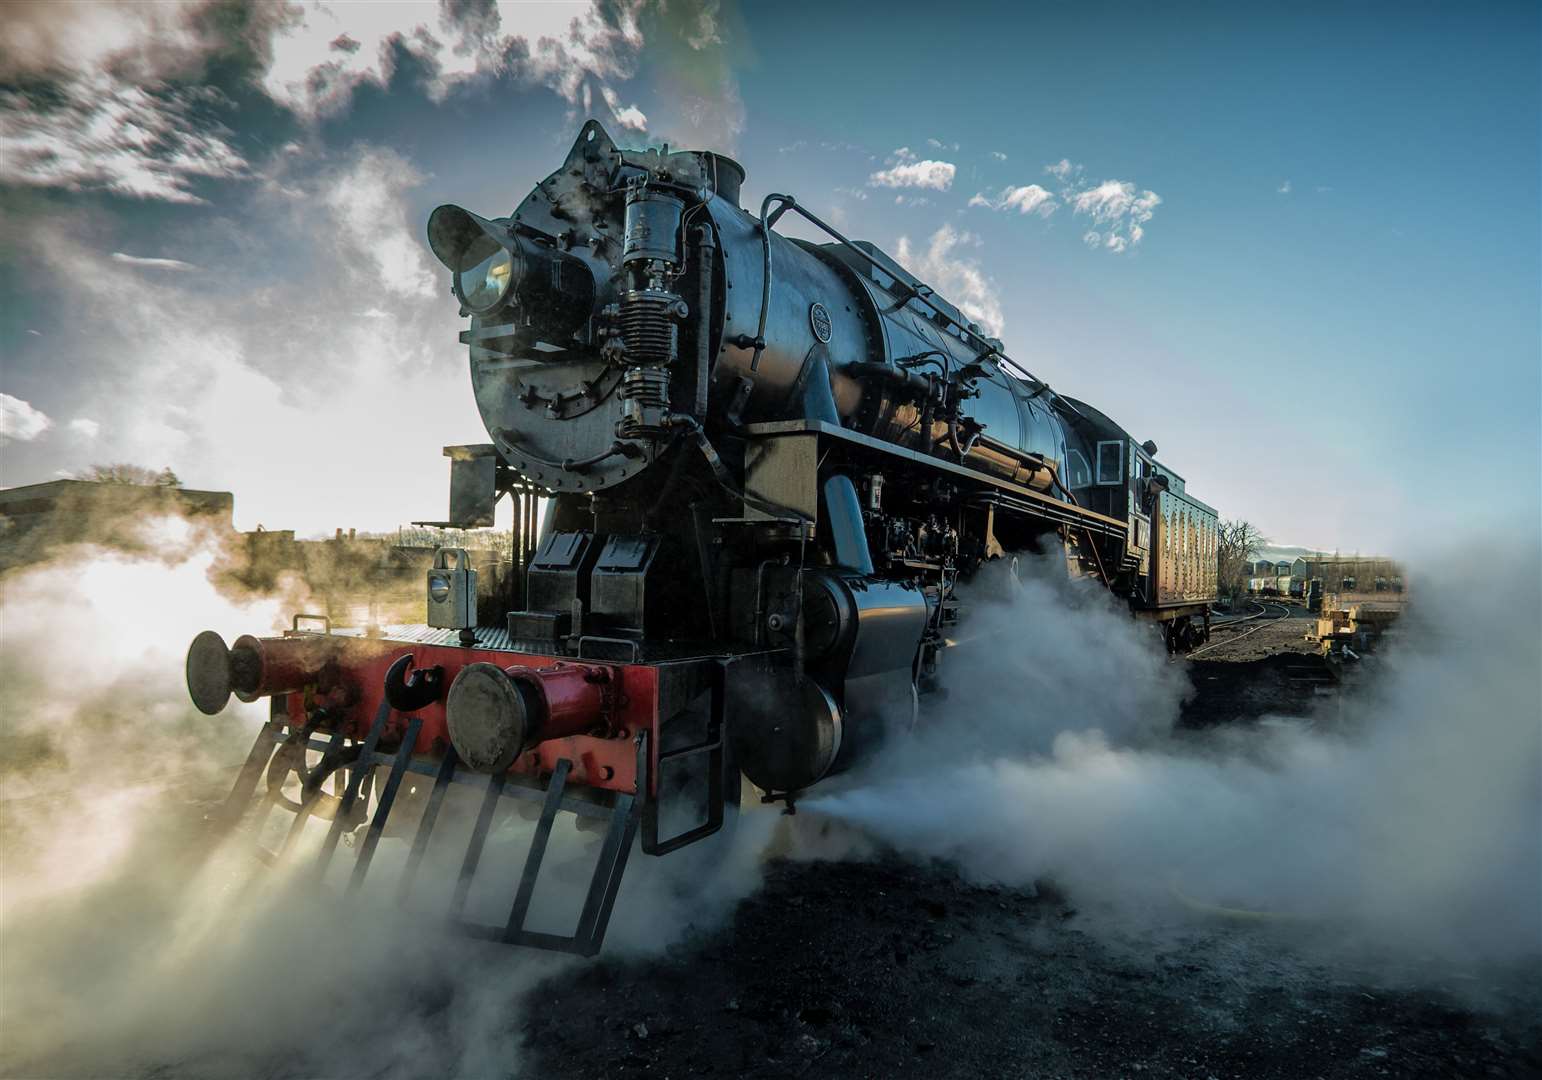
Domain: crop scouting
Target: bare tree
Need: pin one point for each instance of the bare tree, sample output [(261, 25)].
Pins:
[(1238, 545), (123, 473)]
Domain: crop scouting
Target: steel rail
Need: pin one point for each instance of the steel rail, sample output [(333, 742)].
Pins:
[(1262, 613)]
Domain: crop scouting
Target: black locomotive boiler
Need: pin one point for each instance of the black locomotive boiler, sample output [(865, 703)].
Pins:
[(769, 463)]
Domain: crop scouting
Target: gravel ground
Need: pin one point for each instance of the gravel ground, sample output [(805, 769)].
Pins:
[(885, 969), (889, 968), (1269, 635), (1263, 666)]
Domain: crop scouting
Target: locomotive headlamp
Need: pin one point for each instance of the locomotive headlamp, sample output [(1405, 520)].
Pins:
[(478, 252), (484, 286), (497, 263)]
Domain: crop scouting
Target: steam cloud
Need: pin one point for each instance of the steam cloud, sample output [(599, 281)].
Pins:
[(135, 944), (132, 943), (1411, 822)]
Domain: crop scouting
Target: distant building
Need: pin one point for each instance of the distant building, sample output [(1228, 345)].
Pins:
[(351, 578), (36, 517), (1357, 574), (1335, 573)]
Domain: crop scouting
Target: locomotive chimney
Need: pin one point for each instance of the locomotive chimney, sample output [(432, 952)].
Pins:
[(727, 175)]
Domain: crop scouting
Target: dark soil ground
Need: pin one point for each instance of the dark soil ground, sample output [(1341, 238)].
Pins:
[(891, 968), (1264, 666)]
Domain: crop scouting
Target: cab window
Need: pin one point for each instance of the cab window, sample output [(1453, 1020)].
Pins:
[(1078, 472), (1110, 462)]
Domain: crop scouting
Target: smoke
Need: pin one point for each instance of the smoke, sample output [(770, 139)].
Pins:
[(695, 49), (138, 941), (1407, 819), (311, 363)]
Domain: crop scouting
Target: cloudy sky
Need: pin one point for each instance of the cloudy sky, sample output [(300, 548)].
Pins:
[(1296, 246)]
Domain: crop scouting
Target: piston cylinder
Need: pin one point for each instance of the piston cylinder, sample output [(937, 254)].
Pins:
[(786, 730), (495, 714)]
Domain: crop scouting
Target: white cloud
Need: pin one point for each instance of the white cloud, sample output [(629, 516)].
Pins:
[(91, 106), (704, 33), (96, 131), (630, 117), (998, 155), (1063, 170), (85, 428), (1119, 211), (908, 171), (322, 52), (1284, 188), (367, 207), (960, 280), (19, 421), (194, 372), (107, 94), (1027, 199), (152, 263), (1109, 201), (143, 41)]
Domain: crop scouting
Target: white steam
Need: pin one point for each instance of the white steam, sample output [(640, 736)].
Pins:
[(136, 942), (1413, 819)]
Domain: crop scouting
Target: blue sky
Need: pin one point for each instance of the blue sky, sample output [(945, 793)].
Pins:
[(1315, 279)]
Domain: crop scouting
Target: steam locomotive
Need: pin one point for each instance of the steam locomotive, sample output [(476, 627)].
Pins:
[(767, 463)]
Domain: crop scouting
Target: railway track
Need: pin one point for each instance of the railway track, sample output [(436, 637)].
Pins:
[(1260, 618)]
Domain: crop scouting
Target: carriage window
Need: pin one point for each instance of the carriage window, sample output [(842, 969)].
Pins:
[(1078, 472), (1110, 462)]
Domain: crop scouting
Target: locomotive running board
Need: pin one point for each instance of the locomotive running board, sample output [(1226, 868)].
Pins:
[(621, 814)]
